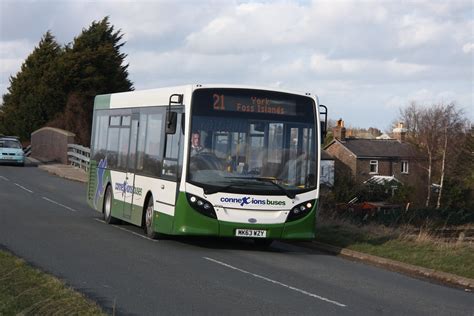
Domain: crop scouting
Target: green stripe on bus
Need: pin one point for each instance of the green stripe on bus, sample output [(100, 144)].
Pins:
[(187, 221), (303, 228), (102, 102)]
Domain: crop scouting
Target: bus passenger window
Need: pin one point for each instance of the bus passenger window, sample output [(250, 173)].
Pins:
[(100, 137), (141, 140), (112, 146), (152, 159)]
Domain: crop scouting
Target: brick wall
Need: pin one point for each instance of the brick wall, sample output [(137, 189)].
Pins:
[(415, 178)]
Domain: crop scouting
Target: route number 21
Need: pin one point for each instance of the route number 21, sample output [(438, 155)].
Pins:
[(218, 102)]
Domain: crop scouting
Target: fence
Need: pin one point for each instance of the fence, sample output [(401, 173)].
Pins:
[(79, 156), (27, 151)]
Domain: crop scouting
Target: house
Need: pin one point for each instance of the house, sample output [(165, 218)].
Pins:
[(366, 158)]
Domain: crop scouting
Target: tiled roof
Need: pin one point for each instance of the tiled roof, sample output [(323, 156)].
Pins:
[(379, 148)]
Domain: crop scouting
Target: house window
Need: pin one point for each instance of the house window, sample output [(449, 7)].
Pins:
[(374, 166), (404, 166)]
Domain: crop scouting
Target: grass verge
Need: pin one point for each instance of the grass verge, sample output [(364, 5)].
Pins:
[(27, 291), (419, 250)]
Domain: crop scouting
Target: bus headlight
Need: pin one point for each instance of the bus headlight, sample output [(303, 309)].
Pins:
[(300, 210), (202, 206)]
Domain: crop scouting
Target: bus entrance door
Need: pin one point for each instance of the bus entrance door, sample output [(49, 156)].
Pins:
[(129, 197)]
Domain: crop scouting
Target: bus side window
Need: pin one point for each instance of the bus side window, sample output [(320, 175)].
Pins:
[(112, 146), (141, 140), (124, 138), (152, 158), (100, 136)]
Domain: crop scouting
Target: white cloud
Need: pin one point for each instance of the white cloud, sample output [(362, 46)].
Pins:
[(352, 53), (468, 48), (250, 27), (416, 31), (15, 49), (362, 67), (425, 96), (12, 55)]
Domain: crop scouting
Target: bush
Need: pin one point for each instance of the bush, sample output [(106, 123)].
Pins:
[(391, 215)]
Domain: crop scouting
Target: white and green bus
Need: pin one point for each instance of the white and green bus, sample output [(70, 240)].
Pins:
[(214, 160)]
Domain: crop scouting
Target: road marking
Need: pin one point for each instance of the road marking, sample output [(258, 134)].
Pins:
[(126, 230), (276, 282), (22, 187), (57, 203), (4, 178)]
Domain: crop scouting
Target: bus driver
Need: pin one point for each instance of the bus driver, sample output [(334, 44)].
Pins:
[(196, 147)]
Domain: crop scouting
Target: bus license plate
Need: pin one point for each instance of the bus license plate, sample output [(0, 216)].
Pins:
[(251, 233)]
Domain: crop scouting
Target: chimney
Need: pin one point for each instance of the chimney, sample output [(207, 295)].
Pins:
[(400, 132), (339, 131)]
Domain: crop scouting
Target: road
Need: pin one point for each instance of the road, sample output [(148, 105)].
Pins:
[(45, 220)]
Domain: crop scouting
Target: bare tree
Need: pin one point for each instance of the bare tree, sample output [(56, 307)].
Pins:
[(435, 130)]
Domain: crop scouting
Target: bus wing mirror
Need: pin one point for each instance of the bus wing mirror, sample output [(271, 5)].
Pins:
[(171, 120), (323, 116), (172, 117)]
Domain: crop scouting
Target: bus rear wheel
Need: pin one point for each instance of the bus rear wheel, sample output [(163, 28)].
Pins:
[(149, 220), (107, 209)]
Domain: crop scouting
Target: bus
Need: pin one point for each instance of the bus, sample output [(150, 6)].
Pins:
[(208, 160)]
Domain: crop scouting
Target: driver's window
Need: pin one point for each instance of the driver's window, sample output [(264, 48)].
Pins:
[(172, 151)]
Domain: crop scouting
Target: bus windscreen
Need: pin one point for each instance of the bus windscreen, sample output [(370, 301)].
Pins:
[(240, 137)]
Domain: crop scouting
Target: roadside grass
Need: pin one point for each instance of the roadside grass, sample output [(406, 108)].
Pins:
[(401, 244), (27, 291)]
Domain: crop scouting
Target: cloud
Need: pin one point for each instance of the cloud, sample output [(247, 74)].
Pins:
[(468, 48), (352, 53), (417, 31), (362, 68), (250, 27), (425, 96), (12, 55)]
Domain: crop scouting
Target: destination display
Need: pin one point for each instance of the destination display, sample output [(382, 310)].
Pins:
[(252, 104)]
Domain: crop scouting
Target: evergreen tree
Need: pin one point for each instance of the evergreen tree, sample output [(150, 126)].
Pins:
[(36, 92), (92, 65)]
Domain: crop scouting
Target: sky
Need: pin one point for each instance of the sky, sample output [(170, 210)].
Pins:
[(364, 59)]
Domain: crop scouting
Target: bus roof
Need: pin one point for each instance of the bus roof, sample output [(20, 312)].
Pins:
[(160, 96)]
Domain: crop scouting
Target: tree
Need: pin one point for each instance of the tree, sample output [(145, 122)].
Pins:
[(92, 65), (36, 92), (436, 130), (458, 190)]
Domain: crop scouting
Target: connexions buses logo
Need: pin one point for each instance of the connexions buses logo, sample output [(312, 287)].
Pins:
[(126, 188), (247, 200)]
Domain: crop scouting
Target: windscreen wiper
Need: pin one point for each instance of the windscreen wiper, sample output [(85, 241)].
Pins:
[(219, 189), (289, 194)]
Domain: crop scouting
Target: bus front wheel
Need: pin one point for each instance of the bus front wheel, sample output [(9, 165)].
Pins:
[(109, 219)]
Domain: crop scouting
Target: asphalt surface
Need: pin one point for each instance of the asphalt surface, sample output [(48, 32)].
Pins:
[(45, 220)]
